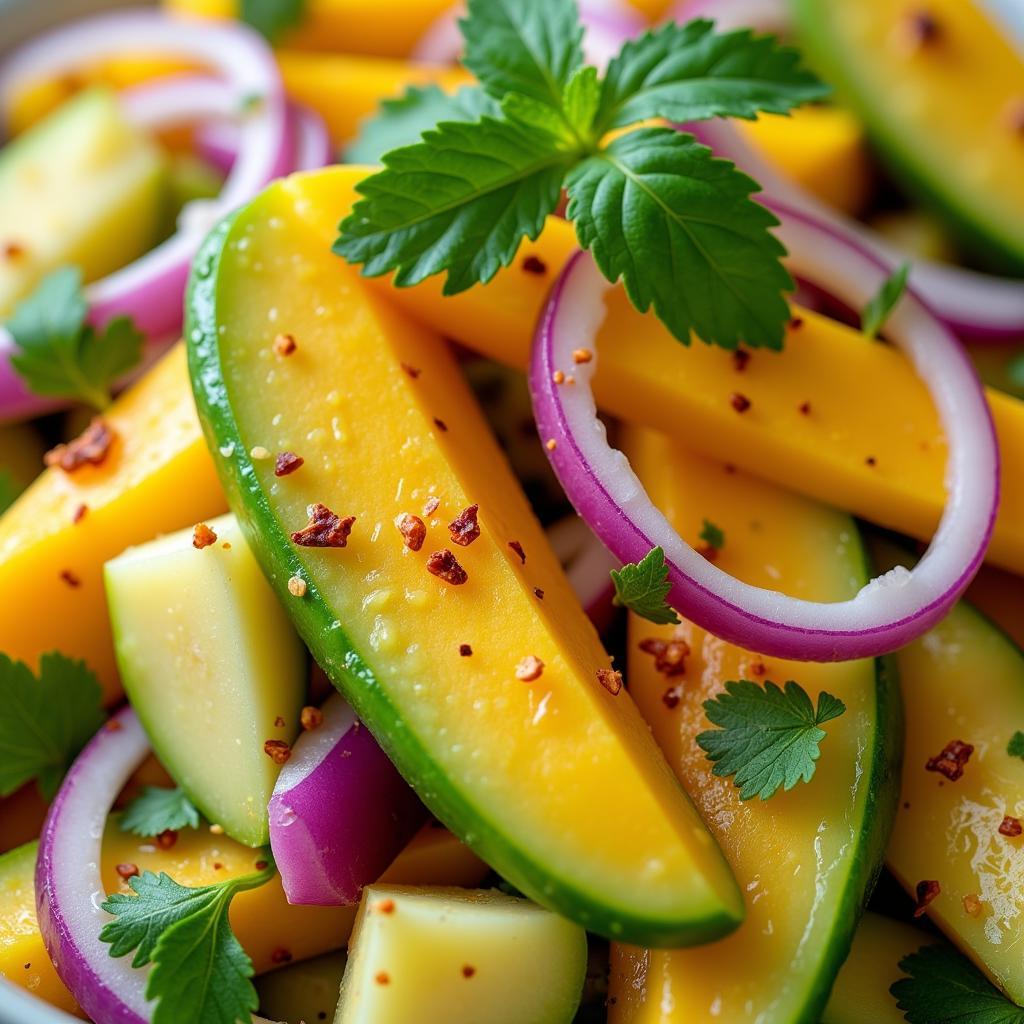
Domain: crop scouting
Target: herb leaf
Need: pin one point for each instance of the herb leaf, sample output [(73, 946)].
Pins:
[(60, 354), (767, 737), (657, 210), (712, 535), (1015, 748), (643, 588), (158, 809), (200, 971), (45, 721), (271, 17), (526, 48), (461, 201), (691, 73), (879, 309), (944, 987)]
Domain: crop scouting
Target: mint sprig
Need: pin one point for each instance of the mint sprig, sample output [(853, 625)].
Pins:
[(881, 305), (658, 212), (643, 588), (159, 809)]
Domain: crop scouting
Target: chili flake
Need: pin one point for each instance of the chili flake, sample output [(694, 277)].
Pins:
[(167, 838), (534, 265), (70, 578), (468, 970), (558, 377), (739, 402), (922, 28), (277, 750), (412, 371), (79, 514), (441, 425), (382, 978), (538, 593), (804, 408), (871, 461), (926, 892), (202, 536), (431, 505), (324, 529), (127, 871), (465, 528), (13, 251), (669, 655), (384, 906), (529, 669), (279, 722), (311, 718), (582, 355), (90, 448), (795, 323), (551, 444), (672, 696), (518, 549), (952, 760), (281, 956), (412, 529), (284, 345), (610, 680), (740, 358), (444, 565), (297, 586), (972, 905), (465, 651), (286, 463), (1010, 827)]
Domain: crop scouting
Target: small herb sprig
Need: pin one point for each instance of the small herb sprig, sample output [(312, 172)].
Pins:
[(653, 206), (158, 809), (643, 588), (271, 17), (884, 301)]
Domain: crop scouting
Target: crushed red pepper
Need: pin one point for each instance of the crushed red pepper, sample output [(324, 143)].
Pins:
[(610, 679), (202, 536), (796, 322), (951, 761), (167, 839), (13, 251), (1010, 827), (740, 358), (444, 565), (926, 892), (465, 651), (284, 345), (385, 906), (70, 578), (669, 655), (871, 461), (972, 905), (286, 463), (281, 956), (324, 529), (672, 696), (582, 355), (529, 669), (412, 371), (277, 750), (468, 970), (465, 528), (90, 448), (558, 377), (805, 408), (412, 529), (922, 28), (79, 514), (127, 871), (739, 402), (279, 722), (538, 593), (518, 549), (534, 265), (382, 978), (441, 425), (311, 718)]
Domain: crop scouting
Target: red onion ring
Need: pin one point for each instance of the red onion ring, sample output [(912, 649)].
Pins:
[(588, 564), (890, 611), (69, 888)]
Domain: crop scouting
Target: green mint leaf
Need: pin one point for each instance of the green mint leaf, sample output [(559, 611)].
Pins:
[(460, 201), (532, 114), (691, 73), (766, 737), (271, 17), (530, 47), (657, 210), (643, 588), (158, 809), (45, 721), (712, 535), (200, 972), (401, 122), (944, 987), (580, 102), (59, 353), (1015, 748), (880, 308), (9, 490)]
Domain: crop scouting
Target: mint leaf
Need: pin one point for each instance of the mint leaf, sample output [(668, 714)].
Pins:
[(9, 490), (678, 227), (402, 121), (200, 972), (712, 535), (944, 987), (643, 588), (1015, 748), (60, 354), (580, 101), (271, 17), (767, 737), (158, 809), (529, 48), (880, 308), (460, 201), (45, 721), (691, 73)]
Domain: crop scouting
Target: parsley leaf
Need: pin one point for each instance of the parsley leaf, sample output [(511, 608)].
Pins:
[(200, 972), (657, 210), (1015, 748), (712, 535), (691, 73), (643, 588), (271, 17), (158, 809), (944, 987), (461, 200), (45, 722), (879, 309), (9, 490), (767, 737), (62, 355)]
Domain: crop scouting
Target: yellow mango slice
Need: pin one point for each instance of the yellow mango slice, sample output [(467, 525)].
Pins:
[(156, 478)]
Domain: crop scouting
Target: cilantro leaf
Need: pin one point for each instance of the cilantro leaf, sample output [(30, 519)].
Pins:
[(657, 210), (527, 48), (767, 737), (691, 73), (944, 987), (45, 721), (643, 588), (1015, 748), (60, 354), (9, 490), (158, 809), (200, 972), (271, 17), (712, 535), (460, 201), (881, 305)]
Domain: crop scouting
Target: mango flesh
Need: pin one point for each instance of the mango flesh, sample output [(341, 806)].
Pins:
[(461, 957), (806, 857), (157, 477), (85, 188), (385, 423), (306, 991)]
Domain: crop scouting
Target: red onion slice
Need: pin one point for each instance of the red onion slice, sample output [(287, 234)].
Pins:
[(890, 611), (588, 565), (340, 812)]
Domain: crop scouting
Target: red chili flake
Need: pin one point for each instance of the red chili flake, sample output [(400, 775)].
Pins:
[(534, 265), (127, 871), (871, 461), (922, 28), (260, 865), (277, 750), (286, 463), (167, 838), (926, 892), (384, 906), (518, 549), (465, 650), (729, 468), (284, 345), (740, 358), (669, 655), (89, 449), (281, 956), (412, 371), (951, 761), (112, 725), (412, 529), (324, 529), (1010, 827), (202, 536), (443, 564), (70, 578), (464, 528), (441, 425), (79, 514), (758, 668), (739, 402), (217, 866), (805, 408), (551, 444), (311, 718), (468, 970), (558, 377), (672, 696), (529, 669), (13, 251), (431, 505), (382, 978), (610, 680), (795, 323), (279, 722), (538, 593), (972, 905), (582, 355)]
